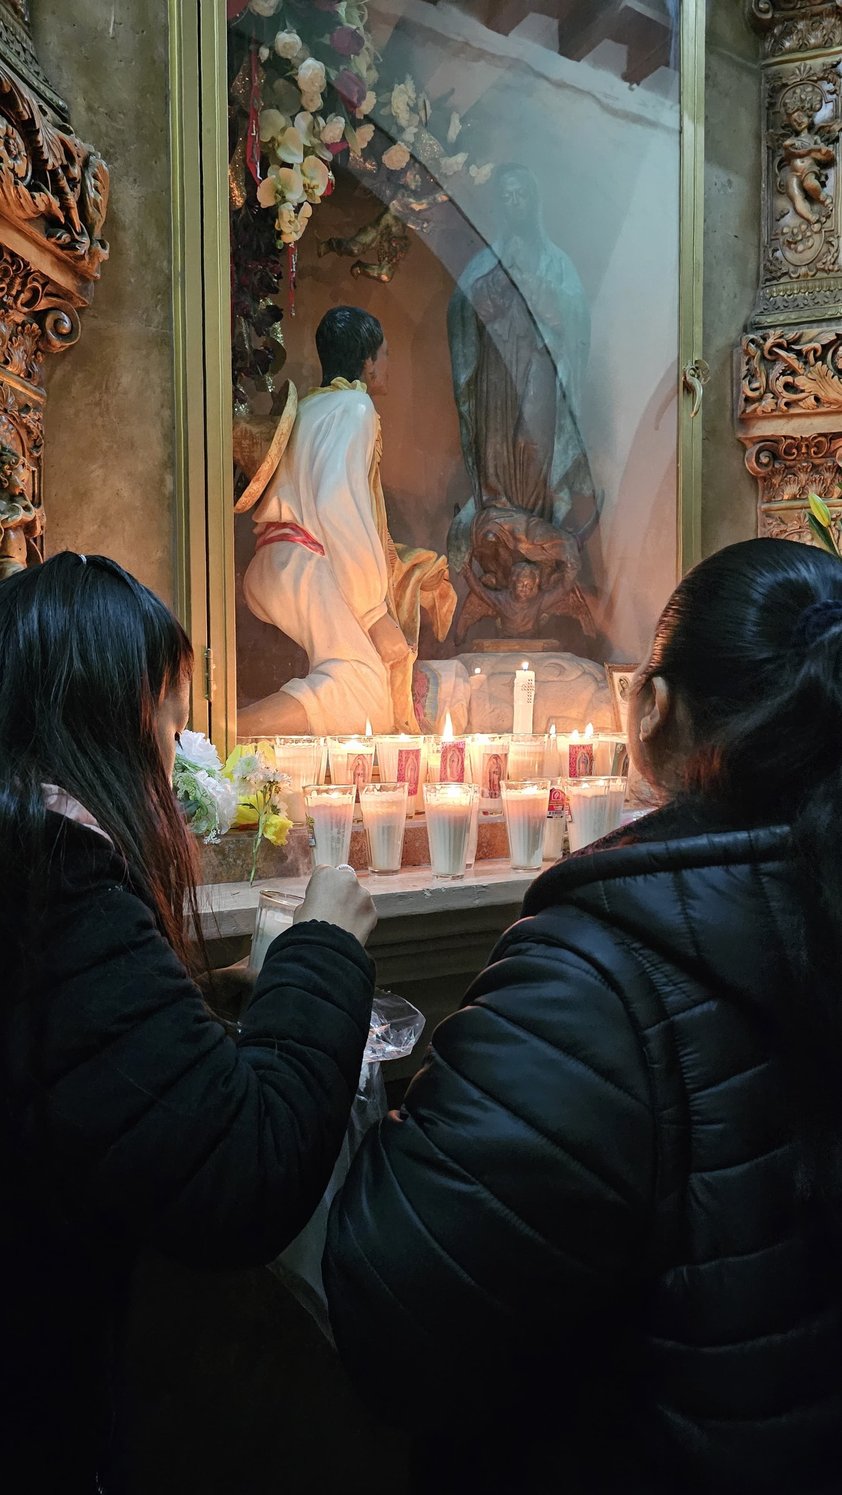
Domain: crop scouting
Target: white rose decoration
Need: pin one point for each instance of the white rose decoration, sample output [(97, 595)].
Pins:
[(368, 102), (333, 129), (396, 157), (452, 164), (364, 136), (288, 44), (311, 78)]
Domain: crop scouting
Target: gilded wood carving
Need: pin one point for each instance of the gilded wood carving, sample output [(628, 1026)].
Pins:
[(789, 389), (53, 201)]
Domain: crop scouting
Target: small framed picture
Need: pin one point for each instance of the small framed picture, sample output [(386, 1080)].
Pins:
[(619, 681)]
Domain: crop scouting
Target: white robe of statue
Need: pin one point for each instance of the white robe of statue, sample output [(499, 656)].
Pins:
[(327, 603)]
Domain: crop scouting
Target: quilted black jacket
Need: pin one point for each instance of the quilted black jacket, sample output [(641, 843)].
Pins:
[(130, 1117), (580, 1243)]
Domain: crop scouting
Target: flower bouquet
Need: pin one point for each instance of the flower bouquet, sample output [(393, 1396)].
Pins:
[(246, 793)]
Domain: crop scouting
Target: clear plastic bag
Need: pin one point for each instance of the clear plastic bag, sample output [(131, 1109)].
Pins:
[(395, 1029)]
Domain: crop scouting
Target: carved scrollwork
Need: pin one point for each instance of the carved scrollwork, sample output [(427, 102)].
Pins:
[(788, 469), (791, 371), (53, 200), (801, 200), (792, 26)]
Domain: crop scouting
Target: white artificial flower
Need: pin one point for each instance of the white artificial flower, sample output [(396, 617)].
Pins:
[(482, 174), (450, 165), (222, 795), (311, 77), (364, 134), (401, 104), (272, 124), (316, 177), (198, 750), (311, 129), (267, 192), (311, 102), (333, 129), (396, 157), (290, 147), (263, 7), (288, 44), (290, 184), (368, 103), (291, 224), (263, 54), (454, 129), (408, 136)]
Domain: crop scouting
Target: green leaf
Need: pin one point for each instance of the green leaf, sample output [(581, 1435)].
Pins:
[(819, 510), (825, 537)]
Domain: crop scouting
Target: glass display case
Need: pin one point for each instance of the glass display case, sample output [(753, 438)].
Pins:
[(438, 323)]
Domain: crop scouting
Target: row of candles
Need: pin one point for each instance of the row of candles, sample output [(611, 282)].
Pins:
[(543, 782)]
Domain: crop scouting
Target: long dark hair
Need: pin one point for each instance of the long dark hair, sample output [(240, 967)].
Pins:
[(86, 654), (751, 643)]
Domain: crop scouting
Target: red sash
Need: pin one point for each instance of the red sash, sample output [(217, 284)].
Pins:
[(292, 533)]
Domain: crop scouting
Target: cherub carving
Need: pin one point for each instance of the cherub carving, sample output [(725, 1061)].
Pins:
[(521, 608), (807, 151)]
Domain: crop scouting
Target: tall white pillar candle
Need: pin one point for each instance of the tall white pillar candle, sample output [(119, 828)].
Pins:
[(524, 702)]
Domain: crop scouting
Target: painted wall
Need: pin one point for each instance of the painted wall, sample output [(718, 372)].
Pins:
[(109, 481)]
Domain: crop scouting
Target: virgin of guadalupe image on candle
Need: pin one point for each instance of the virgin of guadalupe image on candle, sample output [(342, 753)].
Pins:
[(409, 770), (519, 334), (452, 762), (326, 570)]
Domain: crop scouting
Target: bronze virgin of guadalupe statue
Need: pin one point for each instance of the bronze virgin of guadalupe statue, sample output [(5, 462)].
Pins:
[(519, 334)]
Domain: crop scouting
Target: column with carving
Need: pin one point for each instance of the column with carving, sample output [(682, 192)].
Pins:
[(789, 397), (53, 198)]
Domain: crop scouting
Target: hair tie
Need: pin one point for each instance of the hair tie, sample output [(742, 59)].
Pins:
[(815, 621), (83, 559)]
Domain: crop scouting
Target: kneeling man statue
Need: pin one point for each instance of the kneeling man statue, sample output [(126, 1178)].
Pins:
[(326, 570)]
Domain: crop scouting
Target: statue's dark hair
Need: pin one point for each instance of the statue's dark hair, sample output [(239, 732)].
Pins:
[(87, 654), (345, 338), (764, 697)]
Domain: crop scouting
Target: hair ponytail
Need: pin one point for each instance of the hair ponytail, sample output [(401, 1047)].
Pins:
[(751, 642)]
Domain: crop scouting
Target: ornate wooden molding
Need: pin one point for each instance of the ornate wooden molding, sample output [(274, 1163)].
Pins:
[(789, 386), (53, 200)]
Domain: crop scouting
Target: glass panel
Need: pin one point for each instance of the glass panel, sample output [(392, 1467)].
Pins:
[(494, 190)]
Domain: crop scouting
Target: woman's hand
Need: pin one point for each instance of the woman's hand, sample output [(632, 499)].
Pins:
[(335, 896)]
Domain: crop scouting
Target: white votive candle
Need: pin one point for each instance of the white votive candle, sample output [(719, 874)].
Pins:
[(526, 805), (275, 912), (300, 758), (399, 759), (580, 753), (488, 756), (449, 809), (595, 808), (384, 818), (351, 760), (526, 756), (330, 817), (556, 823), (552, 752)]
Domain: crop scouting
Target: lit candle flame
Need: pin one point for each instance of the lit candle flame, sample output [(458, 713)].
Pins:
[(367, 728), (589, 730), (525, 665), (553, 730), (447, 734), (477, 670)]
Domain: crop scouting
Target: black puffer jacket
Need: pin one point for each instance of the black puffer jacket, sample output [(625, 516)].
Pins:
[(580, 1242), (131, 1118)]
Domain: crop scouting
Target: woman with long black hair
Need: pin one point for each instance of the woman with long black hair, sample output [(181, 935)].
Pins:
[(605, 1230), (130, 1117)]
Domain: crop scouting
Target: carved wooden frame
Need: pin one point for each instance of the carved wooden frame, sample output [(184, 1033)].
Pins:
[(789, 376)]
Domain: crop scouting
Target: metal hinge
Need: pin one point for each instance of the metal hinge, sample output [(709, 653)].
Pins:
[(207, 673)]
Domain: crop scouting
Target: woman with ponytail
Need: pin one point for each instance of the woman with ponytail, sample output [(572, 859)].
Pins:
[(130, 1116), (606, 1227)]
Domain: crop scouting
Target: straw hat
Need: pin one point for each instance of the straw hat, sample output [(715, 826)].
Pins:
[(250, 440)]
